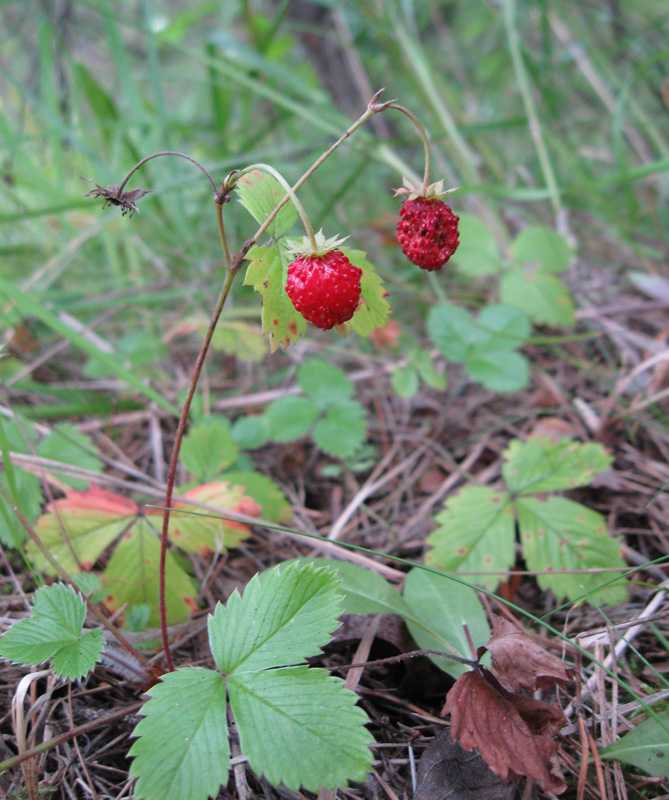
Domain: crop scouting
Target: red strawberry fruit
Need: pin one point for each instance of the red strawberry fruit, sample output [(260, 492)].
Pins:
[(323, 285), (427, 230)]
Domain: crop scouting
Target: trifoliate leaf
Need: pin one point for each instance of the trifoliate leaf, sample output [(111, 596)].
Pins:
[(131, 577), (404, 380), (374, 309), (541, 295), (646, 746), (540, 465), (342, 430), (183, 749), (558, 534), (445, 606), (324, 383), (260, 193), (55, 631), (274, 507), (267, 272), (477, 253), (476, 533), (208, 448), (291, 417), (543, 245), (67, 444), (285, 616), (300, 727)]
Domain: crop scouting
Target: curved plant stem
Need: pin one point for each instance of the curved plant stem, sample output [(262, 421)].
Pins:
[(167, 153), (426, 142), (290, 193)]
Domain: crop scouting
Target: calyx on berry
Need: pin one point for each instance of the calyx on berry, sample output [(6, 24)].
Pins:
[(322, 283)]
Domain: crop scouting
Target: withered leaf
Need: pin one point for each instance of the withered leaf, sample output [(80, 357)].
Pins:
[(519, 662), (446, 771), (112, 197), (514, 734)]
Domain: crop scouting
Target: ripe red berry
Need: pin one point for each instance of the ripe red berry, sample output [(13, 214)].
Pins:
[(427, 232), (325, 289)]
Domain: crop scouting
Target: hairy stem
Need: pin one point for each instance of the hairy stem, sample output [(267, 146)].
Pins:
[(141, 163), (426, 142)]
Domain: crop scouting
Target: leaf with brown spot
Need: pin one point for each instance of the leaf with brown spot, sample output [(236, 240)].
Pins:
[(519, 662), (515, 734)]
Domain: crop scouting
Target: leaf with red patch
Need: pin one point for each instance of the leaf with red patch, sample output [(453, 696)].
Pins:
[(519, 662), (85, 523), (514, 734), (202, 531)]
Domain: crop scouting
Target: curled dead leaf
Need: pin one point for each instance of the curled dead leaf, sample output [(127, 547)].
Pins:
[(519, 662), (514, 734)]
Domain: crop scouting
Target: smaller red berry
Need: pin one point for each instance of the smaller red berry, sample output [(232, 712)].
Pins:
[(427, 230), (323, 285)]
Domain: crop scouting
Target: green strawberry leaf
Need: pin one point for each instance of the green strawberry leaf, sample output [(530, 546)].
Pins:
[(645, 747), (293, 720), (66, 444), (138, 555), (539, 465), (324, 383), (251, 431), (543, 245), (404, 380), (424, 592), (500, 371), (291, 417), (285, 616), (541, 295), (55, 631), (477, 253), (260, 193), (182, 749), (267, 273), (208, 448), (501, 327), (476, 533), (342, 430), (422, 361), (452, 330), (558, 534), (374, 310), (238, 338)]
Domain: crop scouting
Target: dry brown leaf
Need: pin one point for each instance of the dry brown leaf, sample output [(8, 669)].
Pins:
[(514, 734), (519, 662)]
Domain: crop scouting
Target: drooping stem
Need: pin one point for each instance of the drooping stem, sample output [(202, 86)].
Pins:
[(236, 176), (181, 429), (141, 163), (426, 142)]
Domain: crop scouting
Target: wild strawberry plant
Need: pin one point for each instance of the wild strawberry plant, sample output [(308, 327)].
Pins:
[(564, 542)]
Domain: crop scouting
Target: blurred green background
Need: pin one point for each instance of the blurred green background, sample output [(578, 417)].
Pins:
[(540, 112)]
